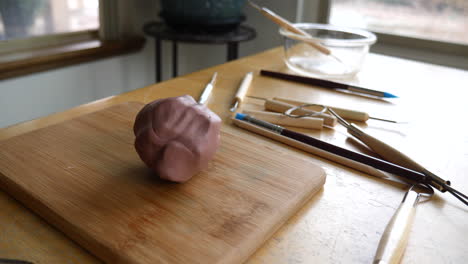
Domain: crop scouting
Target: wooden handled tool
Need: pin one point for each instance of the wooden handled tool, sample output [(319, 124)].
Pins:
[(311, 149), (281, 107), (242, 91), (395, 237), (289, 26), (407, 174), (389, 153), (207, 91), (280, 119), (345, 113)]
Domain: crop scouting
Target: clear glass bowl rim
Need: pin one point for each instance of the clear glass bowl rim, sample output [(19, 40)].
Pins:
[(368, 38)]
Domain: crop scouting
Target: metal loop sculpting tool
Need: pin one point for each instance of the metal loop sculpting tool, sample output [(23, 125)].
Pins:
[(281, 119), (395, 237), (281, 107), (207, 91), (392, 155), (311, 113), (344, 113)]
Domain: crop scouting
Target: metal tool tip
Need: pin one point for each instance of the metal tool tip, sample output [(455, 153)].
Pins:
[(382, 119), (234, 107), (339, 118)]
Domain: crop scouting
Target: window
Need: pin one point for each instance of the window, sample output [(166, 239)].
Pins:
[(439, 20), (38, 35), (31, 24), (434, 31), (21, 19)]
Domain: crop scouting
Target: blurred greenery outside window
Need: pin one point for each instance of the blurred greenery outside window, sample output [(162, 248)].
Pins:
[(32, 23), (436, 25)]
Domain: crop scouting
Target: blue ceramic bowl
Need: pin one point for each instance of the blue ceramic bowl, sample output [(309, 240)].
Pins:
[(208, 14)]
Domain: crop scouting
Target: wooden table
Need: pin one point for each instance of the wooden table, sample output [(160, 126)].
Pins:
[(344, 222)]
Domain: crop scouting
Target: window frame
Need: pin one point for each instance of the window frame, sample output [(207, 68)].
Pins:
[(55, 39), (115, 36), (36, 42), (393, 40), (110, 28)]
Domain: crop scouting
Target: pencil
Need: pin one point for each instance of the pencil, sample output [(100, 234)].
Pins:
[(326, 84)]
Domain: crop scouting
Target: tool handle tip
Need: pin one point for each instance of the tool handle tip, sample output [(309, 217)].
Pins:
[(389, 95), (240, 116)]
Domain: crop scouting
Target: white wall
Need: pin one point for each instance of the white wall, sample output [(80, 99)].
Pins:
[(40, 94), (43, 93)]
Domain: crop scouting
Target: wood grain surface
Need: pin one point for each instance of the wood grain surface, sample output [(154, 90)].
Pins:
[(84, 177)]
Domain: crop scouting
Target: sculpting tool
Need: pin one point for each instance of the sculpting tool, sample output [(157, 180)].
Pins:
[(323, 148), (241, 91), (207, 91), (393, 155), (343, 112), (289, 26), (395, 237), (296, 139), (326, 84), (280, 119), (281, 107)]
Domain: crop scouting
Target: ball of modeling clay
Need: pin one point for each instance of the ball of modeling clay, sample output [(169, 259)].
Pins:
[(176, 137)]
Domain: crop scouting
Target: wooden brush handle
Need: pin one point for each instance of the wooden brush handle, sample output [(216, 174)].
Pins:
[(280, 119), (290, 27), (281, 107), (345, 113), (395, 237)]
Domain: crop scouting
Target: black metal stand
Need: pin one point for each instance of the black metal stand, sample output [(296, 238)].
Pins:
[(160, 31)]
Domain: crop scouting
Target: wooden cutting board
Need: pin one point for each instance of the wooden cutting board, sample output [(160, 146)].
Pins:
[(84, 177)]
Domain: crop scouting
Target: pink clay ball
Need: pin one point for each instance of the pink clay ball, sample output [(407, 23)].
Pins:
[(176, 137)]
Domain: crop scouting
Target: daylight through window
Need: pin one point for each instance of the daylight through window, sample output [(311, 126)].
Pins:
[(442, 20), (29, 18)]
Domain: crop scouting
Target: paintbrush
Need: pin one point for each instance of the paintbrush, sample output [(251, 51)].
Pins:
[(326, 84)]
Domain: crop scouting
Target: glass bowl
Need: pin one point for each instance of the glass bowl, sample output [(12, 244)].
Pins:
[(348, 48)]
